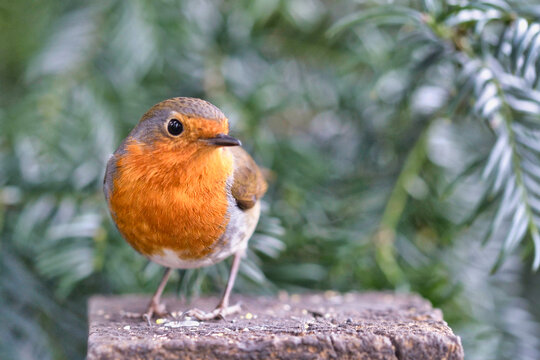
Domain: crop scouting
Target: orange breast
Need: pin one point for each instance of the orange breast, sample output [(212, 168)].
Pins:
[(165, 200)]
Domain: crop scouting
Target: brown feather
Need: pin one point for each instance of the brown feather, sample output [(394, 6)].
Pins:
[(249, 184)]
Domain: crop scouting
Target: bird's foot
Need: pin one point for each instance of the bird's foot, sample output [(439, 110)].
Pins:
[(218, 313), (154, 308)]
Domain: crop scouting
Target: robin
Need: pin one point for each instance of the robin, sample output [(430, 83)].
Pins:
[(184, 194)]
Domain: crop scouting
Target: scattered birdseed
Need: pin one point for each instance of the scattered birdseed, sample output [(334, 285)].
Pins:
[(130, 314), (330, 294), (127, 327), (177, 324)]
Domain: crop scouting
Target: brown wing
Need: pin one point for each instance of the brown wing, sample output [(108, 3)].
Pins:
[(249, 184)]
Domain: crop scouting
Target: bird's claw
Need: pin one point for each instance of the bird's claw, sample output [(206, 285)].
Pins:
[(219, 313), (154, 308)]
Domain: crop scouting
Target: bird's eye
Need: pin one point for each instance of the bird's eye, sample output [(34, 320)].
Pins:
[(175, 127)]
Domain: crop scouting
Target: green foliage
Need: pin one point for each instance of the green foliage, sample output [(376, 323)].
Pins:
[(495, 56), (400, 138)]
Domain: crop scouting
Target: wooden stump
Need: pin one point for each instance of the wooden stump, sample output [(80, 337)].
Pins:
[(315, 326)]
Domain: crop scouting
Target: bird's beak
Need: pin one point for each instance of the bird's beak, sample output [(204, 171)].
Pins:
[(223, 140)]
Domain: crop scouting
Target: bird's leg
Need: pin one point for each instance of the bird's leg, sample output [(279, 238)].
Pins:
[(224, 302), (155, 307), (223, 309)]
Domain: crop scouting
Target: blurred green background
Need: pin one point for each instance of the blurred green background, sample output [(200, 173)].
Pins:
[(404, 139)]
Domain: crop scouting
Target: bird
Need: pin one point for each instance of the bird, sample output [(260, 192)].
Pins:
[(184, 193)]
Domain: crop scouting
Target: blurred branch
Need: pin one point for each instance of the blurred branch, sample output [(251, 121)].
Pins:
[(384, 237)]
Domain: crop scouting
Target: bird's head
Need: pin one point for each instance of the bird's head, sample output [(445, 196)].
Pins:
[(183, 125)]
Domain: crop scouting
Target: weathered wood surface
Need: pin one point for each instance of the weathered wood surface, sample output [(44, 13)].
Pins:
[(317, 326)]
